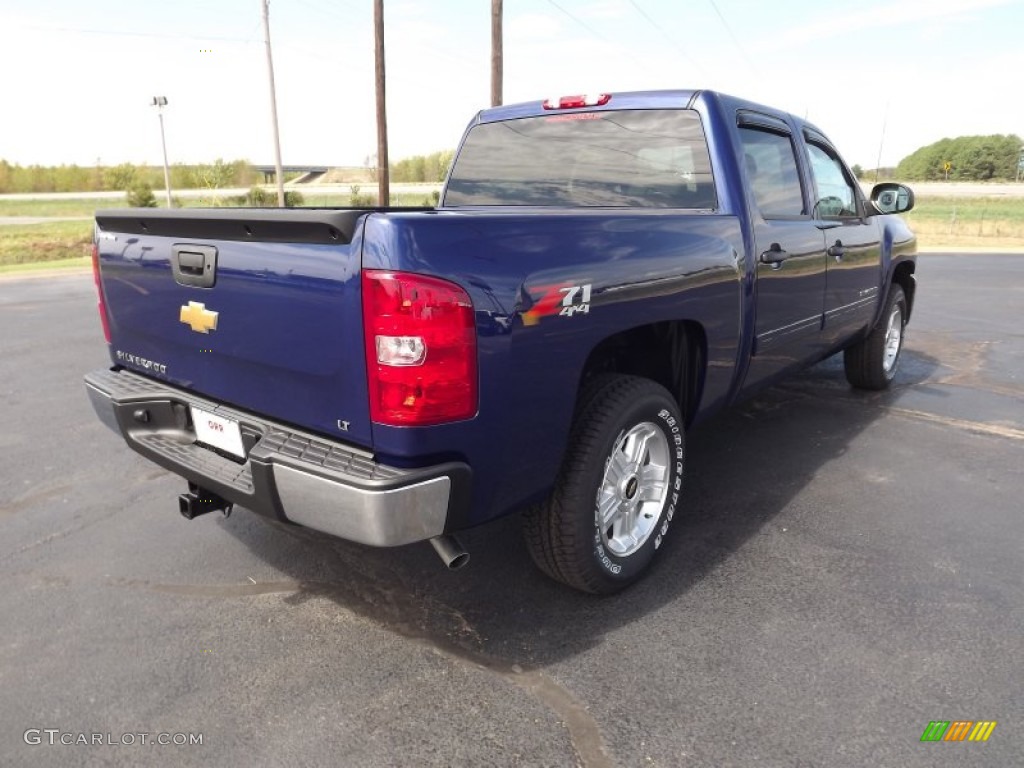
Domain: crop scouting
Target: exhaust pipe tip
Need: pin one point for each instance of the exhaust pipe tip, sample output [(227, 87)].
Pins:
[(451, 552)]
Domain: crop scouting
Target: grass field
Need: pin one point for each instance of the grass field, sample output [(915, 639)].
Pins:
[(49, 241), (938, 222), (67, 207), (968, 221)]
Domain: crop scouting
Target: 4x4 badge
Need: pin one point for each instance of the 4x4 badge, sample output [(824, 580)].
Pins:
[(558, 299), (197, 317)]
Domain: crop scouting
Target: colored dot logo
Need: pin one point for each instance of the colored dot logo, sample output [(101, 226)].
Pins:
[(958, 730)]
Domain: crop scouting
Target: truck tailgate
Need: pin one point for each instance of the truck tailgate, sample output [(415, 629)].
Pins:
[(279, 330)]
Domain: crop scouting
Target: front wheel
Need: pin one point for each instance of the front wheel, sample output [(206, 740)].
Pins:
[(872, 362), (618, 490)]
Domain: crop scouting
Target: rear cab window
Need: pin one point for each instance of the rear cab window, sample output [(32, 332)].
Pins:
[(772, 172), (642, 158)]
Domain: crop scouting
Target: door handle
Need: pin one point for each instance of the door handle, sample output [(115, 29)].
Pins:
[(837, 251), (191, 263), (774, 256), (194, 265)]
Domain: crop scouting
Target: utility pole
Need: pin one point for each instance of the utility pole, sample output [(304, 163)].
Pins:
[(383, 193), (496, 53), (160, 102), (273, 105)]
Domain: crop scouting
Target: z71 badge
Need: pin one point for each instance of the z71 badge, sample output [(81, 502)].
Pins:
[(562, 299)]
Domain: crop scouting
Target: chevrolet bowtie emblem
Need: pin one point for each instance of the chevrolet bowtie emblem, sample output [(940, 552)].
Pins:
[(197, 317)]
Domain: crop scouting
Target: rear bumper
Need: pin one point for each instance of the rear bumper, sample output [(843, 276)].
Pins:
[(288, 474)]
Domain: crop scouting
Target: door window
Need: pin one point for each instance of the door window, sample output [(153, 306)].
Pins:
[(835, 195), (772, 173)]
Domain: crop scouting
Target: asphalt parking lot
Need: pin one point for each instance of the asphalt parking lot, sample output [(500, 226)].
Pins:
[(849, 569)]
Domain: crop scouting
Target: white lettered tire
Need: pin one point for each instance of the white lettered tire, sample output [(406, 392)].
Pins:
[(873, 361), (619, 489)]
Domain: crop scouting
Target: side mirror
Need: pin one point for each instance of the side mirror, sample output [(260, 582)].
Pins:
[(890, 197)]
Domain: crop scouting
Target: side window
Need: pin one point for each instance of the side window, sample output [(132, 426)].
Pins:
[(772, 171), (835, 196)]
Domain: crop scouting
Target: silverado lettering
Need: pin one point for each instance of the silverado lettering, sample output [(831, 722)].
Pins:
[(140, 362)]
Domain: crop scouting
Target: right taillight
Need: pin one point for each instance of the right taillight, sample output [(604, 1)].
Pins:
[(420, 338), (101, 302)]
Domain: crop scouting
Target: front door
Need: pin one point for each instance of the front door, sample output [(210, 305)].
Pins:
[(853, 243), (790, 252)]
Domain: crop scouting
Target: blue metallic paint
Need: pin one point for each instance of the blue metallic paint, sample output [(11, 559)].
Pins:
[(644, 268), (288, 343)]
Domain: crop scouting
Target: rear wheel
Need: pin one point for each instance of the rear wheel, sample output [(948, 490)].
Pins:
[(618, 490), (872, 362)]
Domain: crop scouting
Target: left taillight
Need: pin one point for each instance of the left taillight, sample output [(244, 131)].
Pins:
[(101, 302), (420, 337)]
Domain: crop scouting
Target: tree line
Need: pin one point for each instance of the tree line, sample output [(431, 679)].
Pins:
[(216, 175), (965, 158), (969, 158), (97, 178), (433, 167)]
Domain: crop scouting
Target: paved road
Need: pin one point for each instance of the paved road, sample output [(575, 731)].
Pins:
[(849, 570)]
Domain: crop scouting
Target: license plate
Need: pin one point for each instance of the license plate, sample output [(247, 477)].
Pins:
[(219, 432)]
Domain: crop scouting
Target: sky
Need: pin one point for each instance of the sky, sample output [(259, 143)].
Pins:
[(880, 77)]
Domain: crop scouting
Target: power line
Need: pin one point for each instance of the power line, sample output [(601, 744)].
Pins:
[(732, 34), (671, 42), (579, 21), (594, 32), (446, 53), (251, 37), (113, 33), (327, 10)]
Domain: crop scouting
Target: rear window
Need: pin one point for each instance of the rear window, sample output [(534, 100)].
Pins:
[(623, 159)]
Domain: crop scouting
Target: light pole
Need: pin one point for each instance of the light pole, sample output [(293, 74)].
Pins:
[(160, 102)]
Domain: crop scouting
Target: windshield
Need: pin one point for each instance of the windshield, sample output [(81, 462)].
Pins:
[(627, 158)]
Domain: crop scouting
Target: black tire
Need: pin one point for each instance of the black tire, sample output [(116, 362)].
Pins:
[(638, 421), (870, 363)]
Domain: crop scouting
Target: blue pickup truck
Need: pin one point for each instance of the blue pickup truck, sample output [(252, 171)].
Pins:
[(602, 272)]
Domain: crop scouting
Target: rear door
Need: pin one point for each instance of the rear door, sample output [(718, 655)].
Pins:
[(790, 250), (278, 329)]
